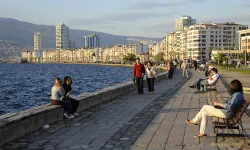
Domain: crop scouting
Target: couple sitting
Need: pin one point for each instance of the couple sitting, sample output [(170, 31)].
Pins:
[(211, 80), (60, 96)]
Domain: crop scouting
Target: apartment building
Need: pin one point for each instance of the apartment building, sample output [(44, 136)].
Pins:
[(244, 40), (184, 21), (38, 41), (62, 36), (203, 38)]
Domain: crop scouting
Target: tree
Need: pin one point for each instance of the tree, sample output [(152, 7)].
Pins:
[(232, 47), (221, 58), (129, 57), (210, 51), (159, 57)]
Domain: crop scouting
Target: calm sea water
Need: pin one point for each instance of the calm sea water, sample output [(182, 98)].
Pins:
[(27, 85)]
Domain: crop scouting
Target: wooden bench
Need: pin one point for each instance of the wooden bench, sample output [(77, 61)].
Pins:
[(211, 87), (231, 123)]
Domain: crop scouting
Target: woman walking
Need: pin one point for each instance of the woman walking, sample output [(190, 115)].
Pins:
[(150, 74), (58, 98), (67, 88)]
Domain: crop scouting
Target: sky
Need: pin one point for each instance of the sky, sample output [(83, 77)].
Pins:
[(147, 18)]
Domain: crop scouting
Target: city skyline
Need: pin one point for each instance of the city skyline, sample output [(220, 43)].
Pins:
[(131, 18)]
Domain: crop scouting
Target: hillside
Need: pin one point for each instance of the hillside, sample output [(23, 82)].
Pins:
[(22, 32)]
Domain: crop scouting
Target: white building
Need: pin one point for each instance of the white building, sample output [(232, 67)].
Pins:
[(203, 38), (62, 36), (183, 22), (38, 41)]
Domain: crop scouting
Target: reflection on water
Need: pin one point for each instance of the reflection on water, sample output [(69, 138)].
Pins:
[(27, 85)]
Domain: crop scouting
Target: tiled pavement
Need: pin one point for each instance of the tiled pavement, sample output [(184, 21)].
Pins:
[(136, 122), (169, 131)]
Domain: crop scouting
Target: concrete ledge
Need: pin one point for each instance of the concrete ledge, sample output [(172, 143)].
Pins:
[(15, 125)]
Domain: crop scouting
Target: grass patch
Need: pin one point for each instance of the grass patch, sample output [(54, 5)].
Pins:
[(240, 70)]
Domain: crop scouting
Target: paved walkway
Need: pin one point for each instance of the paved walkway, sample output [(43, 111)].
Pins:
[(169, 131), (113, 125), (136, 122)]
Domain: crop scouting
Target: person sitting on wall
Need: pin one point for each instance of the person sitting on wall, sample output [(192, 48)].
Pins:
[(58, 98), (67, 88), (208, 81)]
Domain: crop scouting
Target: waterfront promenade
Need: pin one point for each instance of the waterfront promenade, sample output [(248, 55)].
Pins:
[(136, 122)]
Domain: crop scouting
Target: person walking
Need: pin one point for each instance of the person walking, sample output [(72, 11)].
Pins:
[(175, 64), (195, 65), (150, 73), (184, 67), (170, 69), (181, 63), (139, 71)]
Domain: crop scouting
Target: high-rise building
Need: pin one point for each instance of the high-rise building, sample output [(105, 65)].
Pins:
[(92, 41), (62, 36), (72, 44), (38, 41), (184, 21)]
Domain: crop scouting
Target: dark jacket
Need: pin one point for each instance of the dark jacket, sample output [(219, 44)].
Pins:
[(67, 88)]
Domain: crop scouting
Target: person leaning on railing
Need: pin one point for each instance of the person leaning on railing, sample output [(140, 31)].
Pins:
[(58, 98), (221, 110)]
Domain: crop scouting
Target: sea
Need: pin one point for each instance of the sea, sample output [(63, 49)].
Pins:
[(23, 86)]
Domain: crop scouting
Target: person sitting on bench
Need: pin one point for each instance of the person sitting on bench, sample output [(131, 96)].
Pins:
[(208, 81), (207, 72), (221, 110)]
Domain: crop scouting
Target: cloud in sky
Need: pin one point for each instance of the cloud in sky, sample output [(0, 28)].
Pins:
[(112, 19), (153, 4), (237, 18), (160, 27)]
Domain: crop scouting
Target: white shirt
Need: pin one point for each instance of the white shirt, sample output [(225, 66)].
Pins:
[(184, 65), (214, 78), (149, 72), (210, 67)]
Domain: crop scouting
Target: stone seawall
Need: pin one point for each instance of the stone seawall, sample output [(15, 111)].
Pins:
[(15, 125)]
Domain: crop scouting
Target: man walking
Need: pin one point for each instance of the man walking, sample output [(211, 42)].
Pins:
[(195, 65), (139, 71), (184, 67)]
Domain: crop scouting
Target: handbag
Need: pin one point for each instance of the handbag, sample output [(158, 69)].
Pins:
[(134, 81)]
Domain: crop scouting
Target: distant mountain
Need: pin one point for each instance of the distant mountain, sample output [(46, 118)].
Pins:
[(23, 32)]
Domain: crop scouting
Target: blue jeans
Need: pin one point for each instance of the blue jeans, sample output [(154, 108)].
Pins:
[(198, 83), (67, 106)]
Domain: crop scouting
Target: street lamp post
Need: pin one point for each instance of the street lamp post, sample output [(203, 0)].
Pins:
[(246, 49)]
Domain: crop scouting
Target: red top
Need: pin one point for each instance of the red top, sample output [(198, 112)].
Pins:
[(139, 70)]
